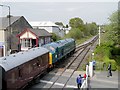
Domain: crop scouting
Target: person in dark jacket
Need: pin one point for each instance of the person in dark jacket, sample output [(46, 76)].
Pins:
[(109, 70), (79, 81)]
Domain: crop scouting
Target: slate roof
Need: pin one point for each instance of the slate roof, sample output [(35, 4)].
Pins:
[(38, 32), (42, 24), (41, 32), (4, 21)]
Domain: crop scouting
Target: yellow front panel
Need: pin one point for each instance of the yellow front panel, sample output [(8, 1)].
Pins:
[(50, 58)]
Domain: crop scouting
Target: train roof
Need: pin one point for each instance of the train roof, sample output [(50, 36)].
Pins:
[(65, 41), (14, 60), (51, 46)]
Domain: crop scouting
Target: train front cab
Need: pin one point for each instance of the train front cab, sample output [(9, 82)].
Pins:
[(53, 57), (52, 54), (3, 85)]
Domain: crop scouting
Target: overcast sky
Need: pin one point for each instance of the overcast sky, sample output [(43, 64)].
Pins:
[(62, 11)]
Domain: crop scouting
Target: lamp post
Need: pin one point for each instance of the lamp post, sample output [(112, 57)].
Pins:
[(9, 27)]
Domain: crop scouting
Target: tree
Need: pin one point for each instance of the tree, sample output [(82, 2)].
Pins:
[(59, 24), (76, 23), (114, 27), (75, 33), (91, 28), (55, 37)]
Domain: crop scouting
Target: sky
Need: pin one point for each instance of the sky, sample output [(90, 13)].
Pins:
[(61, 11)]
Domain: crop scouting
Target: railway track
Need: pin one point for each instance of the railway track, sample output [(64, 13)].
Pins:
[(72, 64), (75, 63)]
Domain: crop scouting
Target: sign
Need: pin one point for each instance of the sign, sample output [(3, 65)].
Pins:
[(1, 44)]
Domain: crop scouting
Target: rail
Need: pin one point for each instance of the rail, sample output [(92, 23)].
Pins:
[(86, 48), (85, 45)]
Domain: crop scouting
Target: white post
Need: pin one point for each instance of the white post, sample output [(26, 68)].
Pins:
[(91, 69), (87, 74), (99, 35), (87, 70)]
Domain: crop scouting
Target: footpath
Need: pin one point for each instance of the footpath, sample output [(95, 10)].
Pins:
[(101, 81)]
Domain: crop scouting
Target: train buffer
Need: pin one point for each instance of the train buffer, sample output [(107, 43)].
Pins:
[(100, 80)]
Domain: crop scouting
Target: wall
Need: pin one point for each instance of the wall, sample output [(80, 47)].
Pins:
[(28, 35), (16, 28), (56, 30)]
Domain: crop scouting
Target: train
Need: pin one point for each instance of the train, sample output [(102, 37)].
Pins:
[(60, 49), (18, 70)]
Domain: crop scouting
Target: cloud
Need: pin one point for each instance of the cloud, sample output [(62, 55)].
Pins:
[(59, 0), (71, 9)]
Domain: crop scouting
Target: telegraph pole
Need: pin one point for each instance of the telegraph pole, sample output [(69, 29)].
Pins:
[(99, 35), (9, 27)]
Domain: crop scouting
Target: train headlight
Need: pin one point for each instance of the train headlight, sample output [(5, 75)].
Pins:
[(55, 56)]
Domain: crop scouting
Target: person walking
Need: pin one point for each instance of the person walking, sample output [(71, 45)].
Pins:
[(79, 81), (109, 70)]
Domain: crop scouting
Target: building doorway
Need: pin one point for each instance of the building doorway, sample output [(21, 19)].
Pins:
[(33, 42)]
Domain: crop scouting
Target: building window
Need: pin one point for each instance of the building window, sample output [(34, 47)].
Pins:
[(42, 41), (25, 42)]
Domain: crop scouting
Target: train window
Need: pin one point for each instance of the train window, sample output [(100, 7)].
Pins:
[(19, 72), (13, 78), (42, 59), (38, 62), (30, 68)]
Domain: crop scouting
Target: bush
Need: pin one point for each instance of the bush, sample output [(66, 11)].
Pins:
[(75, 33), (113, 64), (55, 37), (115, 51)]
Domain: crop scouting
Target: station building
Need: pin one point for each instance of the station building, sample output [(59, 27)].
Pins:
[(8, 32), (33, 38), (49, 26)]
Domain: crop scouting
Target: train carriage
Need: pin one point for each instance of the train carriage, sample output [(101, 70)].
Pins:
[(21, 68)]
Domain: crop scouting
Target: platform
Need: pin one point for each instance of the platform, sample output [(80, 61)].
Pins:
[(100, 80)]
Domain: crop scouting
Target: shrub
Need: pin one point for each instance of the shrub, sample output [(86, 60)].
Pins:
[(55, 37), (113, 64), (75, 33)]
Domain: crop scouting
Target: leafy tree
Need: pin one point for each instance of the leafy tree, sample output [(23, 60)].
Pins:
[(114, 27), (55, 37), (91, 28), (76, 23), (80, 30), (75, 33), (59, 23)]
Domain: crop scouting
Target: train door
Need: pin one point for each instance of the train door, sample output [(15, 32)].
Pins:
[(3, 84)]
